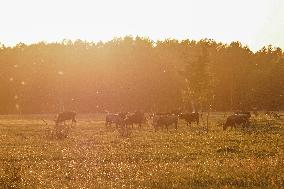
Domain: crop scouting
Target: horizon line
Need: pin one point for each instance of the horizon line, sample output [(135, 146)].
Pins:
[(61, 41)]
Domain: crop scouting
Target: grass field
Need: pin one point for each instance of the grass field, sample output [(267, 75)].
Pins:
[(93, 156)]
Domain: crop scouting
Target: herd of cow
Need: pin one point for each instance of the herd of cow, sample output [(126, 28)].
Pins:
[(161, 120)]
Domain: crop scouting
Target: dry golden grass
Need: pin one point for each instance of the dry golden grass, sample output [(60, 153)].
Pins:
[(93, 156)]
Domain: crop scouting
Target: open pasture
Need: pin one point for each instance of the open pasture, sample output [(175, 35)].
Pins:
[(93, 156)]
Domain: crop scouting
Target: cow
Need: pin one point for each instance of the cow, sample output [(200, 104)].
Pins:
[(236, 119), (135, 118), (165, 120), (190, 117), (117, 119), (64, 116)]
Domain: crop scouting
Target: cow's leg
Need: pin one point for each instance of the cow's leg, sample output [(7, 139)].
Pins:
[(73, 121), (245, 126)]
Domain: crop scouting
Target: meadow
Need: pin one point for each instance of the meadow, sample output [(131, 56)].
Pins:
[(93, 156)]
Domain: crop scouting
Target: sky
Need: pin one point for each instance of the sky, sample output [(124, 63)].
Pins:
[(254, 23)]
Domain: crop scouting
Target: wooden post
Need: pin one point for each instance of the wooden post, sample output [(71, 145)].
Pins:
[(207, 122)]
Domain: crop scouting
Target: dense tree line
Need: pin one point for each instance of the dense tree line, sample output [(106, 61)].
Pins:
[(137, 73)]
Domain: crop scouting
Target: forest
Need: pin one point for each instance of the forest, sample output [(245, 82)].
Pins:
[(136, 73)]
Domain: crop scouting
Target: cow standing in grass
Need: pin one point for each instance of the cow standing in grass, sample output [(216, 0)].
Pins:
[(117, 119), (236, 119), (65, 116), (165, 120), (135, 118), (190, 117)]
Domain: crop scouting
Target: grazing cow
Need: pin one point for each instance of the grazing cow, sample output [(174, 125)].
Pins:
[(190, 117), (135, 118), (64, 116), (164, 120), (236, 119), (117, 119)]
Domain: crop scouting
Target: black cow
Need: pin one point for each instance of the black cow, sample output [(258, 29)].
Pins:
[(117, 119), (164, 120), (190, 117), (135, 118), (64, 116), (236, 119)]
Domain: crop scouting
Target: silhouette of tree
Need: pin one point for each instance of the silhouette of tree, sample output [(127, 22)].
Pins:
[(135, 73)]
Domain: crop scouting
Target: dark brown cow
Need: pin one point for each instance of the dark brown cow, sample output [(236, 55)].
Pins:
[(190, 117), (117, 119), (165, 120), (135, 118), (236, 119), (64, 116)]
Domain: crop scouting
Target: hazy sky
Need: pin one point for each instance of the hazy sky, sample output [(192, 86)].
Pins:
[(253, 22)]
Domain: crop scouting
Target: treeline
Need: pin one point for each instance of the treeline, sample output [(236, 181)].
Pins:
[(137, 73)]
